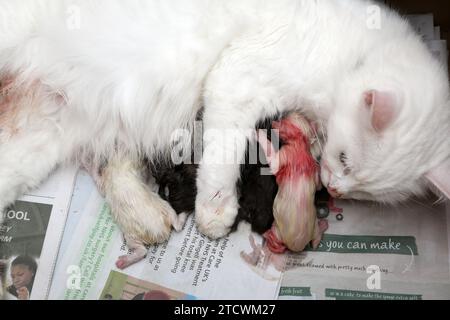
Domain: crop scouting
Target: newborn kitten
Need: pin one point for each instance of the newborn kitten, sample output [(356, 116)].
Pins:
[(257, 191), (297, 173), (177, 185)]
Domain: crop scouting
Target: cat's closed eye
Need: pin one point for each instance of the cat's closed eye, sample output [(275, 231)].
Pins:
[(344, 161), (343, 158)]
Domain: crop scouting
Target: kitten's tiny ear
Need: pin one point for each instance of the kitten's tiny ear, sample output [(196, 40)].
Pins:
[(383, 108), (440, 178)]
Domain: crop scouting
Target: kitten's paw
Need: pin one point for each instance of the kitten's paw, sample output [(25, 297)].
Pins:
[(322, 226), (138, 253), (180, 221), (215, 214), (125, 261)]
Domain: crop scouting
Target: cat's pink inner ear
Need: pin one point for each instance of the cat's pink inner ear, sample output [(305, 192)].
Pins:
[(383, 108), (440, 178)]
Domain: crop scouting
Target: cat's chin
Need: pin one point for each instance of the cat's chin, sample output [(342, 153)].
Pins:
[(358, 195), (390, 198)]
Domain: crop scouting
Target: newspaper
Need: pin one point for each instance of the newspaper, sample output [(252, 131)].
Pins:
[(188, 266), (439, 49), (376, 252), (424, 25), (30, 237)]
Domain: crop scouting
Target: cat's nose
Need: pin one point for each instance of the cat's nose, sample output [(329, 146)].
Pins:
[(334, 192)]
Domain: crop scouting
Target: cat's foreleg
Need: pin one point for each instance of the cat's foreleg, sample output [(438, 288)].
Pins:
[(228, 125), (240, 90), (140, 213)]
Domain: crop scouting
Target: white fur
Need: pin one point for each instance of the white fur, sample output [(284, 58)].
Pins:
[(139, 211), (134, 71)]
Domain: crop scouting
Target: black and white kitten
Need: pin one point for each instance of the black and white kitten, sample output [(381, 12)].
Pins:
[(257, 191)]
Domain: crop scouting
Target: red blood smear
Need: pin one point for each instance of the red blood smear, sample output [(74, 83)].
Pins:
[(295, 157), (296, 161), (274, 244)]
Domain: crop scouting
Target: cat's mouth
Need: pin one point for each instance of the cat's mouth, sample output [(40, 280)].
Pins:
[(334, 193)]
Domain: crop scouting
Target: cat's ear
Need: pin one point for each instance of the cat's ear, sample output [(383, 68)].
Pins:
[(440, 178), (383, 107)]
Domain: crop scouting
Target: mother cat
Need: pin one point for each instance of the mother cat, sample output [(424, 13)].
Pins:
[(111, 79)]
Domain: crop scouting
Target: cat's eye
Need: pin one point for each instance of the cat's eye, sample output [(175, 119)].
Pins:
[(344, 161)]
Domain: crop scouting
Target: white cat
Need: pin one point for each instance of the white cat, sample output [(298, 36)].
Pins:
[(110, 79)]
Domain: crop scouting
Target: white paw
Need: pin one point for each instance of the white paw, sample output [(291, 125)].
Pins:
[(180, 221), (148, 221), (215, 213)]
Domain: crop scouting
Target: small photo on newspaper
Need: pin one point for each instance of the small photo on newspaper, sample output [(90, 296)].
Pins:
[(22, 236), (30, 235), (120, 286)]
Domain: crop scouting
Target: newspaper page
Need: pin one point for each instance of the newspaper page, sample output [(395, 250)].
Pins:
[(439, 49), (188, 266), (424, 25), (30, 237), (376, 252)]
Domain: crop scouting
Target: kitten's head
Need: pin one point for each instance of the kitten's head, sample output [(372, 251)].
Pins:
[(389, 131)]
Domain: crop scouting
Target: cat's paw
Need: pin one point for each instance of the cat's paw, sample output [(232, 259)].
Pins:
[(148, 221), (215, 215)]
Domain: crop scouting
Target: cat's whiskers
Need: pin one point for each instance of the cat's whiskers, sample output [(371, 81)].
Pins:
[(316, 140), (323, 131), (422, 204)]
